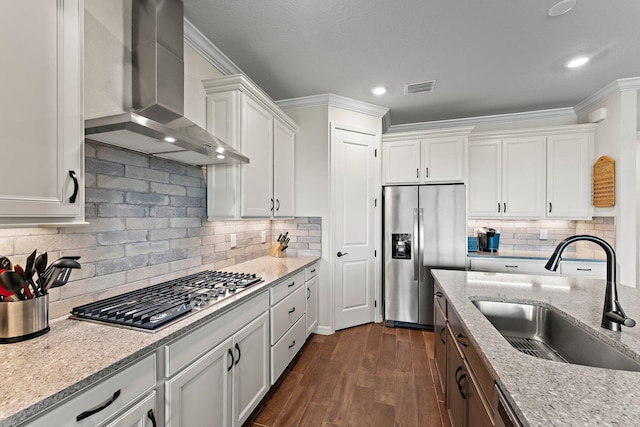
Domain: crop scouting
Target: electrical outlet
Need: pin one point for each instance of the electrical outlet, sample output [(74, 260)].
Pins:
[(234, 243), (543, 234), (263, 236)]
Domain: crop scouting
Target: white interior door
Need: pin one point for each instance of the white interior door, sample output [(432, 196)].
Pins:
[(354, 230)]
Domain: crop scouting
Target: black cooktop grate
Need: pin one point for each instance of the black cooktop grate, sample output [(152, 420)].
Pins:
[(156, 306)]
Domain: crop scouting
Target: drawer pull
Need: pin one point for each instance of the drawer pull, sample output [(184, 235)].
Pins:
[(232, 359), (462, 343), (152, 418), (292, 310), (511, 266), (292, 284), (313, 271), (438, 294), (105, 405), (239, 354), (441, 337), (308, 293), (292, 344), (583, 269)]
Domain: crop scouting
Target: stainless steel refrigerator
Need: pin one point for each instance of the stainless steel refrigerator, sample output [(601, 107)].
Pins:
[(425, 227)]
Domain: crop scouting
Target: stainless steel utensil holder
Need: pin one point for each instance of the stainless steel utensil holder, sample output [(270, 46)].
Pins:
[(23, 320)]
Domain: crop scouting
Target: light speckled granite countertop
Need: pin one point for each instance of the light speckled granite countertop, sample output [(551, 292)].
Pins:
[(43, 371), (546, 393)]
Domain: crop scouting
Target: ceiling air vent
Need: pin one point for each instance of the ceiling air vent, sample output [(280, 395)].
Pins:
[(419, 87)]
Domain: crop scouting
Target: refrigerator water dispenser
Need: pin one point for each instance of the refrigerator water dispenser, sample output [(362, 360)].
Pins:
[(401, 246)]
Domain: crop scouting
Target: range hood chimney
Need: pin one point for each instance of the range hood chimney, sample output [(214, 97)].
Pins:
[(156, 125)]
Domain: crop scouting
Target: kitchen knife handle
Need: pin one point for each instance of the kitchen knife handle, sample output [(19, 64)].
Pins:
[(232, 359), (239, 354), (73, 197), (152, 418), (105, 405)]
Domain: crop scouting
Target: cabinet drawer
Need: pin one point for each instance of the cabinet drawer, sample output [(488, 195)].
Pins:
[(287, 312), (481, 373), (512, 265), (121, 389), (439, 298), (188, 348), (596, 270), (287, 286), (140, 415), (311, 271), (285, 350)]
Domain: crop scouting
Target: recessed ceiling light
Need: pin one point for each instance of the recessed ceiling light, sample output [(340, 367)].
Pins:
[(379, 90), (170, 139), (578, 62), (561, 7)]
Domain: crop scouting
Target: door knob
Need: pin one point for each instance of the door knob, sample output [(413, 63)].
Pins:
[(340, 254)]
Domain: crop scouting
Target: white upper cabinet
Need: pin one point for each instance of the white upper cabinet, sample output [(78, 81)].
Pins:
[(239, 113), (532, 173), (41, 112), (523, 176), (569, 159), (436, 156)]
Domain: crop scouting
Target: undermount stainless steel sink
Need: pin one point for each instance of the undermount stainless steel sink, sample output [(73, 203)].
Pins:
[(541, 332)]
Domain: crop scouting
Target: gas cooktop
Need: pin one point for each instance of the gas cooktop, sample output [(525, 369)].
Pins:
[(157, 306)]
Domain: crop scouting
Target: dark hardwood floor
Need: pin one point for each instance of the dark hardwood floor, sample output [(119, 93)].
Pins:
[(369, 375)]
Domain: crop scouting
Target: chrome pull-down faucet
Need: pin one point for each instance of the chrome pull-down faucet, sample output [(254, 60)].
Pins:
[(612, 314)]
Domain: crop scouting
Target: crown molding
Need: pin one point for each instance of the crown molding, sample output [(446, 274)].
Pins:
[(474, 121), (332, 100), (430, 133), (613, 88), (210, 52)]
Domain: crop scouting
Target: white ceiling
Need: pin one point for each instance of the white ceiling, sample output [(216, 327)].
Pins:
[(488, 56)]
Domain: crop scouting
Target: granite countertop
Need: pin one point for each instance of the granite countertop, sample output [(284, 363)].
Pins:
[(43, 371), (542, 392), (507, 253)]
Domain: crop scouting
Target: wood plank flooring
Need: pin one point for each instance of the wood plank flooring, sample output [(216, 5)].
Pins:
[(369, 375)]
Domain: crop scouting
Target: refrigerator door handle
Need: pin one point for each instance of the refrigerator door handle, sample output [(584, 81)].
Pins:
[(414, 246), (419, 261)]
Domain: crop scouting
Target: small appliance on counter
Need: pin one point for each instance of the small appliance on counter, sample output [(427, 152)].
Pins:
[(24, 300), (488, 239)]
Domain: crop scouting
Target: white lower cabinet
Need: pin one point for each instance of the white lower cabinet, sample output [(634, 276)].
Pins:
[(225, 384), (586, 269), (106, 401), (283, 352), (311, 283), (144, 414)]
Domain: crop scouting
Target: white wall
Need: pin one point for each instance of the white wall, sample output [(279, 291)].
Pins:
[(616, 137)]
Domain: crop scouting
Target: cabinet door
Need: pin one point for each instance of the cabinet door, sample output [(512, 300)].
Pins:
[(283, 170), (144, 414), (257, 143), (401, 162), (523, 177), (477, 414), (251, 368), (484, 185), (223, 180), (41, 111), (443, 159), (312, 304), (439, 346), (457, 384), (201, 393), (569, 160)]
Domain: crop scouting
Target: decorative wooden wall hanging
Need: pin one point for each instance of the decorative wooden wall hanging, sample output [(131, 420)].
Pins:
[(604, 176)]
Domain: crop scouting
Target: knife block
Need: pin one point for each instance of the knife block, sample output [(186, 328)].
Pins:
[(276, 250)]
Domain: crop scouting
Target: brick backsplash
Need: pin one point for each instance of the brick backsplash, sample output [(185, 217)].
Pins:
[(525, 235), (147, 224)]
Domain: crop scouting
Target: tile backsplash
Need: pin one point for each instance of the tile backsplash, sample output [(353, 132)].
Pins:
[(521, 235), (147, 224)]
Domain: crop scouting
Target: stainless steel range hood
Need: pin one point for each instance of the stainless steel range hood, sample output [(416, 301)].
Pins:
[(156, 125)]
